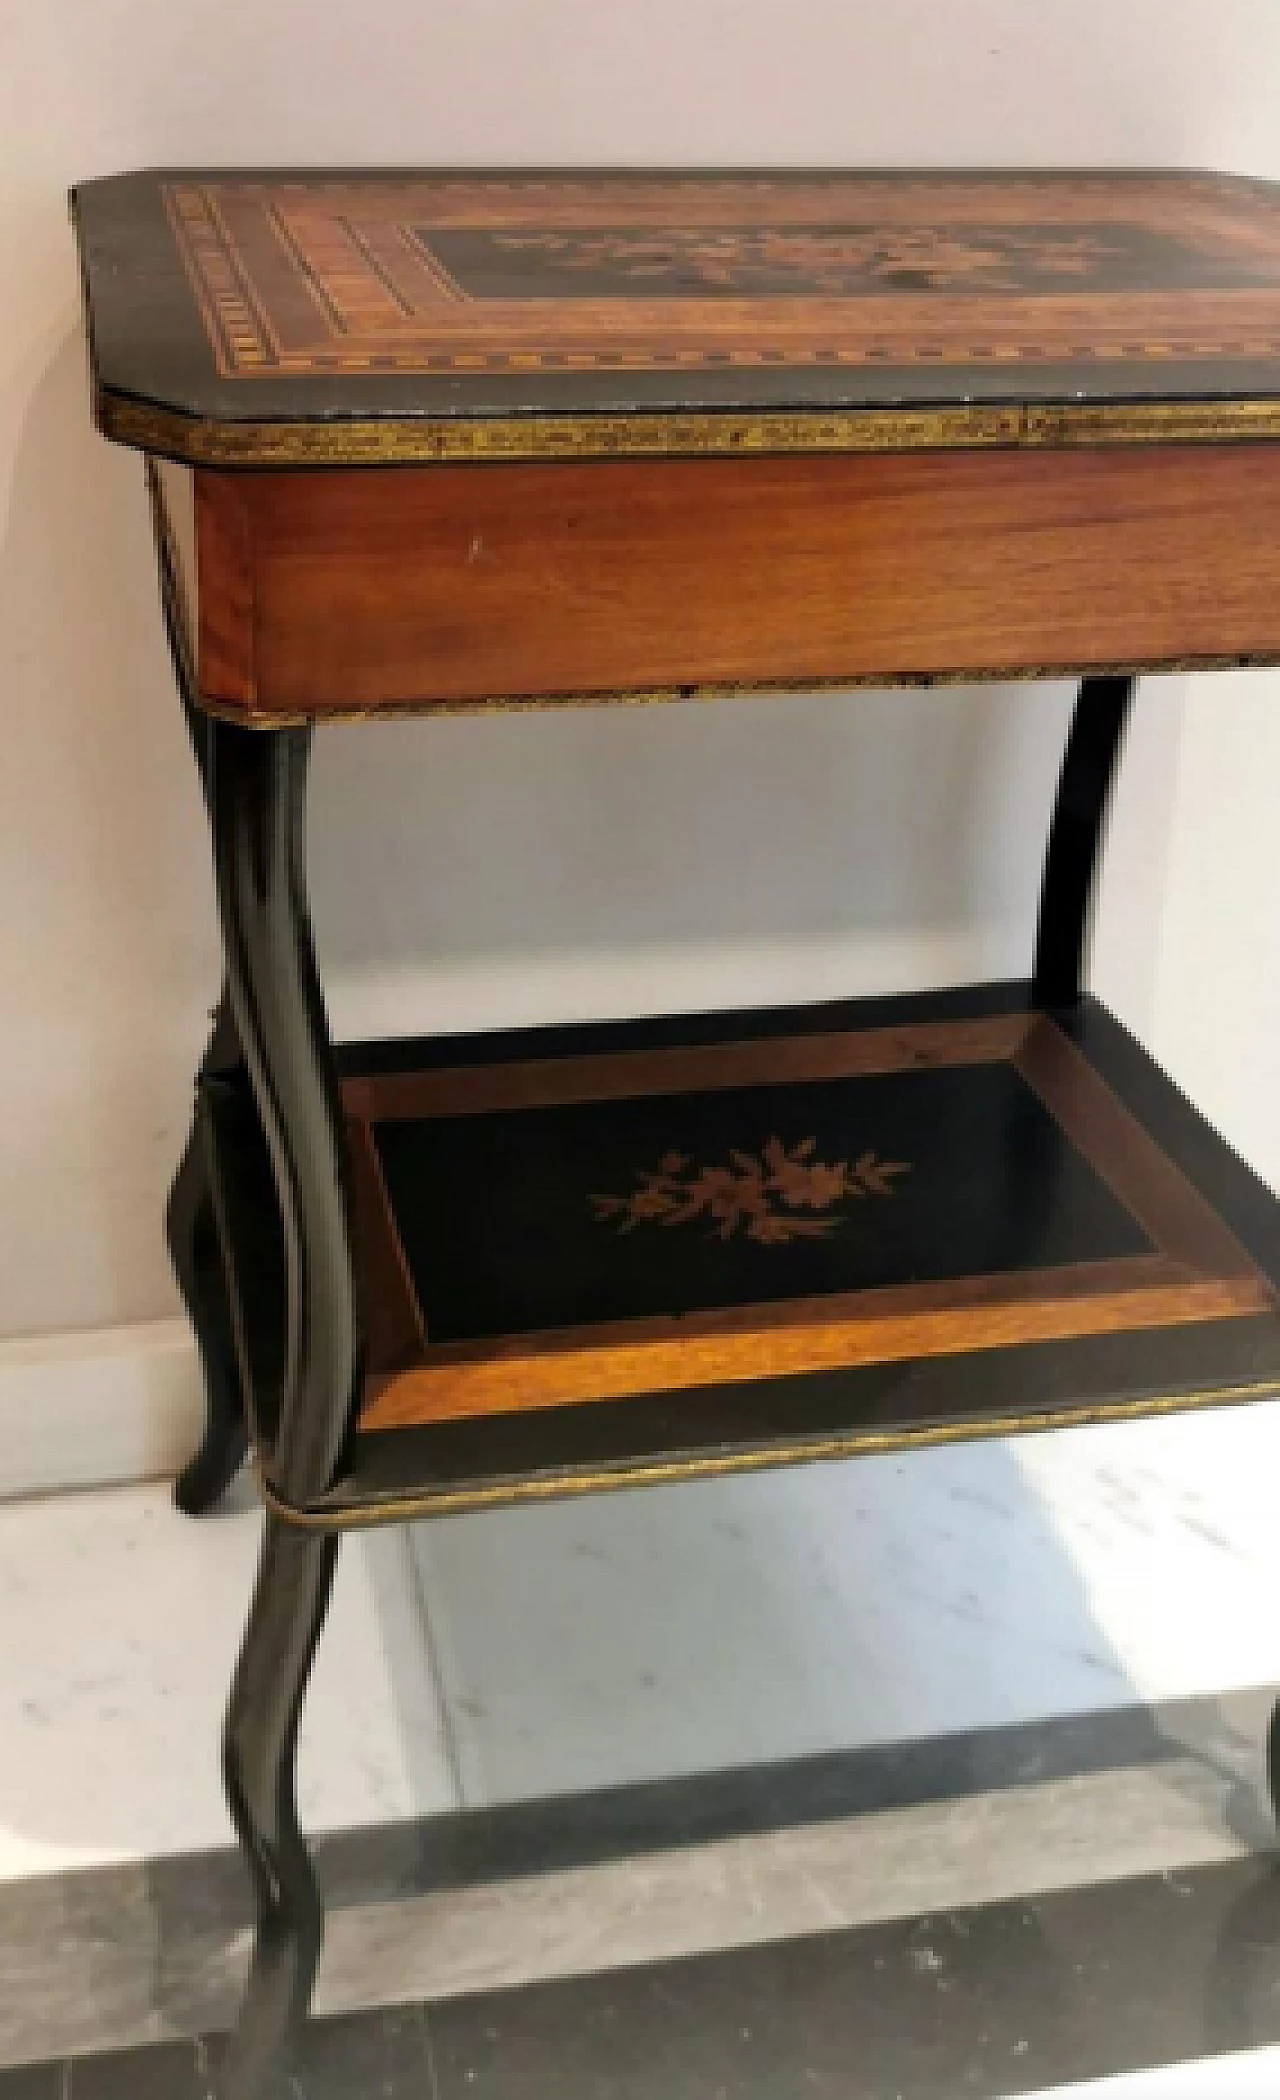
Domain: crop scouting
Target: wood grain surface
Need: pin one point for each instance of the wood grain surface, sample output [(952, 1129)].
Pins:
[(544, 1082), (337, 592)]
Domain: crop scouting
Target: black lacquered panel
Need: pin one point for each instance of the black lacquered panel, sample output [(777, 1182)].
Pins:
[(582, 1266), (574, 1214)]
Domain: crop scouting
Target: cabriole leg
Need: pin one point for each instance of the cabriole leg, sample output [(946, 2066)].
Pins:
[(197, 1263), (190, 1230), (1076, 838), (257, 786), (288, 1610)]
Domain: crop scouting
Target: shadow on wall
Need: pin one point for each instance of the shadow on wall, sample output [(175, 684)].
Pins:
[(106, 939), (560, 863)]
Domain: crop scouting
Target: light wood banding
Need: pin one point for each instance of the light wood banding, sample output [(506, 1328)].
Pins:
[(473, 1090), (828, 1334)]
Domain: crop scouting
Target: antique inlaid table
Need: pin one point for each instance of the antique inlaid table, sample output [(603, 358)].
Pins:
[(433, 441)]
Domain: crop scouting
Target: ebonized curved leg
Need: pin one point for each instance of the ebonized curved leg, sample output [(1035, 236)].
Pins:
[(288, 1609), (257, 784), (1076, 838), (193, 1249), (258, 798), (189, 1222)]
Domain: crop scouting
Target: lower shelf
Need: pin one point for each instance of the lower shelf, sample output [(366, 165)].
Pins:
[(596, 1257)]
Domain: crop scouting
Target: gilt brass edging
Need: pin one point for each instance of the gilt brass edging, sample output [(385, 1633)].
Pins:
[(673, 695), (371, 441), (859, 1444)]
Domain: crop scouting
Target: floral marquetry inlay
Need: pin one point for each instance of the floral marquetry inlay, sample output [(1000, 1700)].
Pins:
[(769, 1197), (834, 261)]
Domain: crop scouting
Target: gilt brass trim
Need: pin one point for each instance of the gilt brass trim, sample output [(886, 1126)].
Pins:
[(383, 441), (857, 1444), (668, 696)]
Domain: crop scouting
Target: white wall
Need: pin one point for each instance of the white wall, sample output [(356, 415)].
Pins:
[(473, 871)]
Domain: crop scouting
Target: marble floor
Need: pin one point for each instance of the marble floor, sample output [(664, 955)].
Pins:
[(1231, 2077), (918, 1775)]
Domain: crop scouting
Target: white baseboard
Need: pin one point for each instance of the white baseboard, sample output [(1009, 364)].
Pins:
[(98, 1407)]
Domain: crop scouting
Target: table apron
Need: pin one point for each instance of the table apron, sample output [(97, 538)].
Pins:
[(337, 592)]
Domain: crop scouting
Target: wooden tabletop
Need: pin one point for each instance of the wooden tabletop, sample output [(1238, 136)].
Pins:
[(255, 318)]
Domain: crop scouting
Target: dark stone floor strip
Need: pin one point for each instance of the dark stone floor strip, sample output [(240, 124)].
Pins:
[(989, 2001), (998, 2000)]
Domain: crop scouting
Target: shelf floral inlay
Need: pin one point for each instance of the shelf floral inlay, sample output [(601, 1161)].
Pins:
[(763, 1196)]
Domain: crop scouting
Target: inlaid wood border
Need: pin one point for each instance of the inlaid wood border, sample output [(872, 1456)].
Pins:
[(1199, 1271), (316, 275)]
